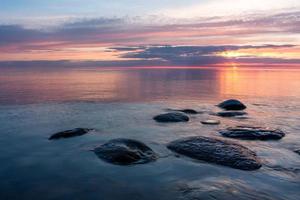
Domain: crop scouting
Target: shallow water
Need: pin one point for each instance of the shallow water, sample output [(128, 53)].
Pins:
[(36, 103)]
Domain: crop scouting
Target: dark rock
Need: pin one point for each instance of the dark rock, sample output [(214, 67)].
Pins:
[(70, 133), (216, 151), (232, 104), (186, 111), (125, 152), (222, 189), (297, 151), (252, 133), (231, 113), (171, 117), (189, 111)]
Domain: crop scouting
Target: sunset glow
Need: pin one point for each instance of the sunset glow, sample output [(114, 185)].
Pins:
[(194, 32), (149, 99), (284, 53)]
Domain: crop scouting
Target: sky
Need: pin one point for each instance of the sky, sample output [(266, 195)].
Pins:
[(157, 32)]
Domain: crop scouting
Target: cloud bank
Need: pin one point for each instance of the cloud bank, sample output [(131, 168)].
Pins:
[(252, 38)]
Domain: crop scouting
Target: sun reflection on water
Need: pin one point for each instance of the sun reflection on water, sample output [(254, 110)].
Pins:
[(235, 80), (146, 84)]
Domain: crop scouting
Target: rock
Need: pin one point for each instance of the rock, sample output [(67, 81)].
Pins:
[(70, 133), (187, 111), (171, 117), (216, 151), (211, 122), (252, 133), (231, 113), (125, 152), (219, 188), (297, 151), (232, 104)]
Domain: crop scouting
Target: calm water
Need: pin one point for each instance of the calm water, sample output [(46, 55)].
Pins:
[(35, 103)]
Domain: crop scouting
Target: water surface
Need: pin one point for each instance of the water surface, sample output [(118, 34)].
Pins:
[(118, 102), (39, 85)]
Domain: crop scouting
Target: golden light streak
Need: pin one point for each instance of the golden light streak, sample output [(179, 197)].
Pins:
[(233, 81), (285, 53)]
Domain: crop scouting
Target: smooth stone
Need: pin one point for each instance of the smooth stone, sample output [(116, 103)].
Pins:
[(211, 122), (125, 152), (231, 113), (232, 104), (252, 133), (187, 111), (70, 133), (171, 117), (216, 151)]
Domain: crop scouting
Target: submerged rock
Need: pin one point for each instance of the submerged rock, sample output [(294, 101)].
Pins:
[(189, 111), (232, 104), (186, 111), (216, 151), (231, 113), (252, 133), (297, 151), (171, 117), (125, 152), (211, 122), (70, 133), (221, 188)]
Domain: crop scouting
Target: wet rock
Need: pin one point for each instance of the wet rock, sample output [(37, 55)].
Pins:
[(186, 111), (297, 151), (125, 152), (231, 113), (211, 122), (216, 151), (225, 188), (252, 133), (189, 111), (70, 133), (232, 104), (171, 117)]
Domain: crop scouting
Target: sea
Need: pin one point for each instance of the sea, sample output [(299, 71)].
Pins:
[(120, 102)]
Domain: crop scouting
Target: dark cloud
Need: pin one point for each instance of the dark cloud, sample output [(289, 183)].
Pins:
[(98, 22), (168, 56), (201, 61), (120, 32), (191, 55), (15, 34), (127, 48), (77, 32), (123, 31)]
